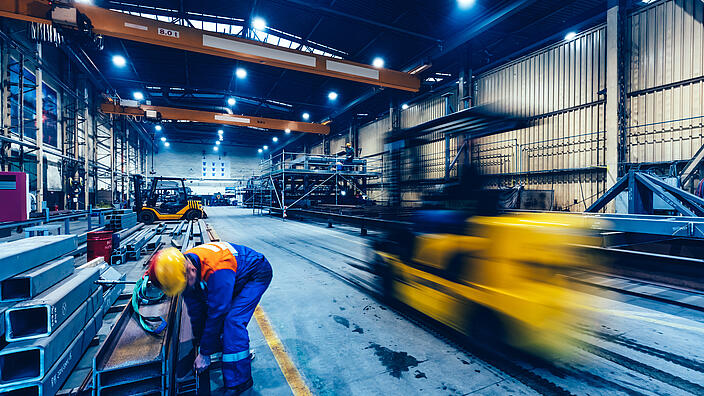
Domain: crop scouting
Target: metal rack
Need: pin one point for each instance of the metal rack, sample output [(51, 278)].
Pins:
[(291, 179)]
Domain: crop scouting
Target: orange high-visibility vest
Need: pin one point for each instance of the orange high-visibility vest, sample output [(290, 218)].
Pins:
[(214, 256)]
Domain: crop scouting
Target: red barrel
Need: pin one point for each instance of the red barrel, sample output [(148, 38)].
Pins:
[(99, 244)]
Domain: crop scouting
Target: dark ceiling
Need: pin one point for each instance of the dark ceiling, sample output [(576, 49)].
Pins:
[(401, 32)]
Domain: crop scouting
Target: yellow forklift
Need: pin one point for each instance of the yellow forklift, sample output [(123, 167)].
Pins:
[(167, 199)]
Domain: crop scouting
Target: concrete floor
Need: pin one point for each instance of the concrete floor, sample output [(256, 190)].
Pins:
[(343, 342)]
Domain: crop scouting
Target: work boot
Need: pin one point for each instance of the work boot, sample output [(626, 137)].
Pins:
[(244, 388)]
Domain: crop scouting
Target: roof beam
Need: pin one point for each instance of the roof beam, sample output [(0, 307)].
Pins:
[(172, 113), (129, 27)]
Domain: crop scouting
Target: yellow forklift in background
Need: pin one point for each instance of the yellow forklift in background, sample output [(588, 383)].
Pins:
[(167, 199)]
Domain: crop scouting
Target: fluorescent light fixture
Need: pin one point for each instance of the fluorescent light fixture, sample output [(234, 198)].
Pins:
[(332, 95), (241, 73), (464, 4), (274, 139), (288, 130), (260, 151), (163, 139), (158, 127), (138, 95), (220, 138), (420, 68), (266, 147), (220, 131), (217, 142), (404, 106), (231, 101), (167, 144), (306, 116), (119, 61), (343, 193), (570, 36), (259, 23), (215, 148), (378, 62)]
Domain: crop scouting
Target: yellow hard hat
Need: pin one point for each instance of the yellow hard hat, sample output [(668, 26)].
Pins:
[(167, 271), (349, 144)]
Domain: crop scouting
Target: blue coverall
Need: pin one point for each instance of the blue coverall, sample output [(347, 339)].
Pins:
[(224, 307)]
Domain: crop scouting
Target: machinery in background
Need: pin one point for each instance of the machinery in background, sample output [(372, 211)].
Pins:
[(167, 199), (14, 193), (492, 278)]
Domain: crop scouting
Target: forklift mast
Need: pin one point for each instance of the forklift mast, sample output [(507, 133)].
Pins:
[(137, 180)]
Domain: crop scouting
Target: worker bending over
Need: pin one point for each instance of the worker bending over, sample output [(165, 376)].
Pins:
[(223, 284)]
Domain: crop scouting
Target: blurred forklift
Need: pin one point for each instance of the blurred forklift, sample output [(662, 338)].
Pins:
[(166, 198)]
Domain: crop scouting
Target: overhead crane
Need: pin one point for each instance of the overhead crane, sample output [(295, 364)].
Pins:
[(129, 27), (157, 113)]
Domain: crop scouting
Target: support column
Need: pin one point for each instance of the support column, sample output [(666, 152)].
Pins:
[(613, 95), (6, 119), (40, 132)]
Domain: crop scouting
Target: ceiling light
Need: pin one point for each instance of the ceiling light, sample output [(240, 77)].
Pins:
[(220, 131), (306, 116), (215, 148), (332, 95), (378, 62), (259, 23), (119, 61), (158, 127), (167, 144), (343, 193), (241, 73), (231, 101), (260, 151), (570, 36), (464, 4), (217, 143), (163, 139), (220, 138), (404, 106), (275, 139), (266, 147), (138, 95), (288, 130)]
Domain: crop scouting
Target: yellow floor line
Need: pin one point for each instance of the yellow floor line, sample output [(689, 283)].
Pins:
[(290, 372)]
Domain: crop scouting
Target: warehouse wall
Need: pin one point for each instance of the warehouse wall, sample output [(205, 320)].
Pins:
[(557, 89), (561, 90), (665, 82), (185, 160)]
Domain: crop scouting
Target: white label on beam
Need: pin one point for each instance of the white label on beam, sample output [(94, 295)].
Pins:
[(258, 50), (135, 26), (229, 118), (168, 33), (359, 71)]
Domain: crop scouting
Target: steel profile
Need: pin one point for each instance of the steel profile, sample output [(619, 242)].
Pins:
[(21, 255), (41, 315), (58, 373), (31, 283), (132, 360), (29, 360)]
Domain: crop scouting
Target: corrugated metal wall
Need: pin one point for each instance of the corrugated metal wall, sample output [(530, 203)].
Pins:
[(557, 88), (665, 82), (372, 135)]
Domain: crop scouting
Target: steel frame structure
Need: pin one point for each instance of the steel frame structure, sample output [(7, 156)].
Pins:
[(298, 179)]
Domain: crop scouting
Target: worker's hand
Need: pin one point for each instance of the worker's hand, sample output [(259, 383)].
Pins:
[(201, 363)]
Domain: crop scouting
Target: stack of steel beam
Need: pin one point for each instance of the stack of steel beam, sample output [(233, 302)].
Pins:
[(54, 314), (136, 242), (122, 219)]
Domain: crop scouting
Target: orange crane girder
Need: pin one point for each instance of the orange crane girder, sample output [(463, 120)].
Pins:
[(145, 30), (172, 113)]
